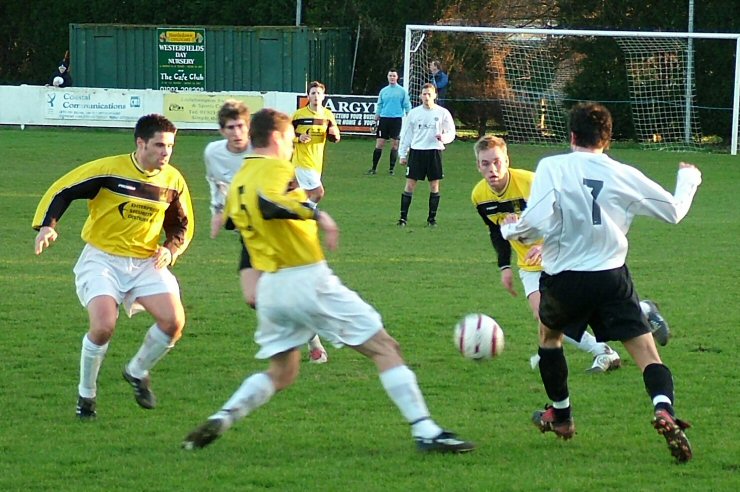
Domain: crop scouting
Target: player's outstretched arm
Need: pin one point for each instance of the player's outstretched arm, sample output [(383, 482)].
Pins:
[(44, 238), (659, 203)]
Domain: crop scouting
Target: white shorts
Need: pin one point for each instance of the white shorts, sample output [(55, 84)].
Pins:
[(530, 281), (294, 304), (123, 278), (308, 179)]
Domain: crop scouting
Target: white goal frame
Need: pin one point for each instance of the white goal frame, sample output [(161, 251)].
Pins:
[(411, 28)]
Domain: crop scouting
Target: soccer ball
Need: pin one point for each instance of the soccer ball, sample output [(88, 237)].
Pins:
[(57, 81), (478, 336), (658, 325)]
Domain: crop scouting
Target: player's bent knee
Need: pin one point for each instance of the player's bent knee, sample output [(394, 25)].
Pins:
[(284, 368), (177, 335), (550, 338), (282, 378), (101, 334), (316, 194), (394, 348), (381, 345), (172, 326)]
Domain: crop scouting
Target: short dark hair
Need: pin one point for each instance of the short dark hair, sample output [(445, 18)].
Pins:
[(232, 109), (150, 124), (316, 83), (591, 125), (392, 70), (489, 142), (264, 122)]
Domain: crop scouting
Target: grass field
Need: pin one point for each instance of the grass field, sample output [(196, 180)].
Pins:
[(335, 430)]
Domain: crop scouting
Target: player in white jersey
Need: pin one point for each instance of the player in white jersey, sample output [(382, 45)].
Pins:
[(426, 130), (582, 204), (504, 190), (223, 159)]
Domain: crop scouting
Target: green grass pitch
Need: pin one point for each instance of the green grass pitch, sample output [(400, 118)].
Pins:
[(335, 429)]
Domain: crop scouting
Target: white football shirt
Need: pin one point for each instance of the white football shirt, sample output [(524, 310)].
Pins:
[(583, 203), (421, 127), (221, 166)]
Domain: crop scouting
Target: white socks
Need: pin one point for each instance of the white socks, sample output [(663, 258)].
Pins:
[(588, 343), (399, 383), (561, 404), (662, 399), (91, 357), (254, 392), (156, 345), (401, 386)]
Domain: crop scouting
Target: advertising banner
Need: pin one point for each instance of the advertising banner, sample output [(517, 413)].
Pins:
[(181, 59), (354, 114), (203, 108), (92, 104)]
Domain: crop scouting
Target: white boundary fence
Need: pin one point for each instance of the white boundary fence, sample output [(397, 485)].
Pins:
[(29, 105)]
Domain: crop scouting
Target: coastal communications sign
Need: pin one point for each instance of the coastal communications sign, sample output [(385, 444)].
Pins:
[(92, 104), (181, 59)]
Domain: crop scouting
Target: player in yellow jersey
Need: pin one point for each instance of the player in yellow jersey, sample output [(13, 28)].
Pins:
[(313, 125), (132, 199), (299, 295), (504, 191)]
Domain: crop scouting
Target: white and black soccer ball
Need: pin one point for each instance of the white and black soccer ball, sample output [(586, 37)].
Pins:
[(58, 81), (478, 336), (658, 325)]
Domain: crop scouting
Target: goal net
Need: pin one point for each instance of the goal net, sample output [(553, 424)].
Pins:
[(662, 92), (516, 81)]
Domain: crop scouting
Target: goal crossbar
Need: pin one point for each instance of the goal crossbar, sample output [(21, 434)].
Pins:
[(410, 28)]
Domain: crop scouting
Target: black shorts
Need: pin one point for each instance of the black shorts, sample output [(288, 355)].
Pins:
[(605, 300), (244, 261), (424, 164), (389, 128)]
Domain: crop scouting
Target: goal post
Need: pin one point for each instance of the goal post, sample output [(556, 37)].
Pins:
[(526, 73)]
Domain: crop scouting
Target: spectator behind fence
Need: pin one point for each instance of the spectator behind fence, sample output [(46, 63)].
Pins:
[(61, 77)]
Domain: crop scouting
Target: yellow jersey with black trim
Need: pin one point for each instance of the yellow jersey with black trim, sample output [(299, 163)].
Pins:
[(129, 207), (273, 216), (493, 207), (314, 124)]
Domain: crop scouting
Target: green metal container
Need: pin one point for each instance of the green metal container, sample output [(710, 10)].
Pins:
[(237, 58)]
